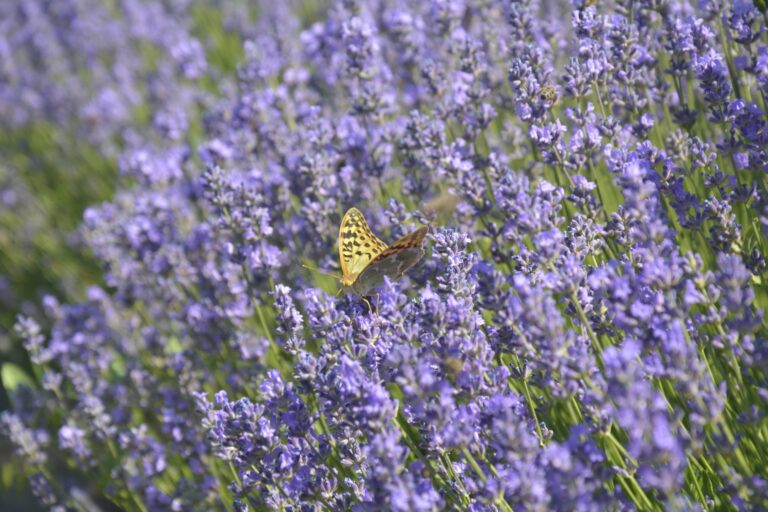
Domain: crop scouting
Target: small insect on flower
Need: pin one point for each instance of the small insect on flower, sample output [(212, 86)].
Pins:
[(548, 94), (365, 260)]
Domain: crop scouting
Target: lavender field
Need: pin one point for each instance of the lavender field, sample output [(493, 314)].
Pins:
[(585, 332)]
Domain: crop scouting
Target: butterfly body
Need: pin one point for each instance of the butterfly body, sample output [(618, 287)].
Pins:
[(366, 261)]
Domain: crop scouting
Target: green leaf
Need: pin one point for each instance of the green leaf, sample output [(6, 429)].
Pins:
[(13, 376)]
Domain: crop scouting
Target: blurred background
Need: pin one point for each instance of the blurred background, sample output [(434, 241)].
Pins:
[(88, 86)]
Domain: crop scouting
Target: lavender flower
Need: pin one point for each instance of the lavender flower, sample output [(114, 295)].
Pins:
[(585, 331)]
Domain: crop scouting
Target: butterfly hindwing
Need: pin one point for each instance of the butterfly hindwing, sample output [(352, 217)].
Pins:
[(358, 246), (414, 240), (392, 262)]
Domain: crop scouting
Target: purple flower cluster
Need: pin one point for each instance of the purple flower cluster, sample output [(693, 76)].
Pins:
[(585, 333)]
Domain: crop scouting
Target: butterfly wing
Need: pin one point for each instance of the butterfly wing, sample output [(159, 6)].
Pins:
[(358, 246), (392, 262)]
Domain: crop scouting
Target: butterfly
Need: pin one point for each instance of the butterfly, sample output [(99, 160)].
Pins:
[(365, 260)]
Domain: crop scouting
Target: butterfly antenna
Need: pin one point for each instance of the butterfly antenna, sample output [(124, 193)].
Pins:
[(311, 269)]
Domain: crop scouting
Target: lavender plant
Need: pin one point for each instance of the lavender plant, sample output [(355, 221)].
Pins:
[(585, 333)]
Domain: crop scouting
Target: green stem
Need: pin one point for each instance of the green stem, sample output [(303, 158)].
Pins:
[(437, 480), (499, 501), (630, 479), (585, 321), (599, 98), (532, 409)]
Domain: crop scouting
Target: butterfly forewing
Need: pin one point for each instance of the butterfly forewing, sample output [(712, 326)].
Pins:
[(358, 246)]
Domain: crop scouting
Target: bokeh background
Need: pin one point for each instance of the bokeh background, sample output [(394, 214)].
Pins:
[(83, 82)]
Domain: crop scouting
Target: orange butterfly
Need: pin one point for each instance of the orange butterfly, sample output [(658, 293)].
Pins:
[(365, 260)]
